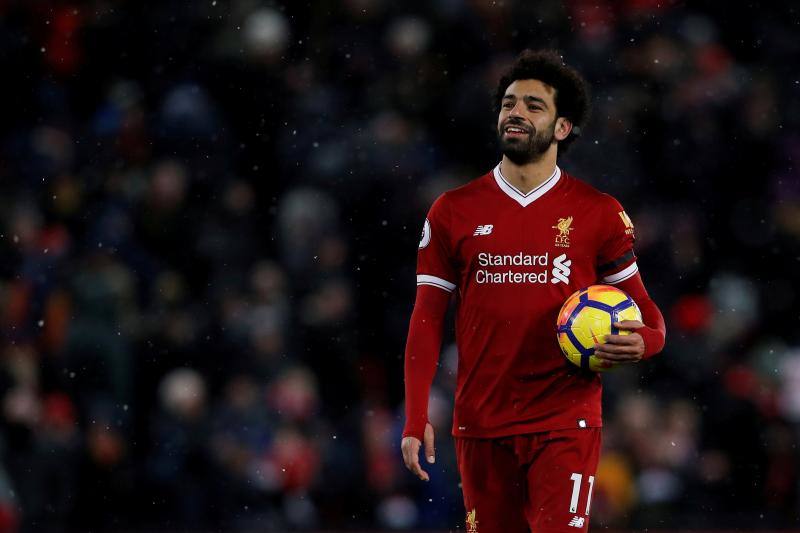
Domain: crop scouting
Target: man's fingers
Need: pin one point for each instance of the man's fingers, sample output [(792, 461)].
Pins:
[(410, 448), (616, 357), (629, 325), (622, 348), (430, 450), (616, 348), (622, 339), (417, 470)]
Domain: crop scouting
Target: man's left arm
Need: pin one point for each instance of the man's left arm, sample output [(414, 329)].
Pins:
[(646, 339)]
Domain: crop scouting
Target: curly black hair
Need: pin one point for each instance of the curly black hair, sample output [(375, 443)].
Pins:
[(571, 90)]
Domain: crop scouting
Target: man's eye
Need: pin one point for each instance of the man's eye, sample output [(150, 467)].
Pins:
[(507, 105)]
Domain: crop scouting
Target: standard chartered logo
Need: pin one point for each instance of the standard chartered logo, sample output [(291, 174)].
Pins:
[(535, 268), (561, 269)]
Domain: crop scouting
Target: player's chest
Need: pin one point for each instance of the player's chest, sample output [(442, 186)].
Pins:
[(527, 234)]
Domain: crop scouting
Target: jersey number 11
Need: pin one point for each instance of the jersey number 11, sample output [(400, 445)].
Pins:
[(576, 491)]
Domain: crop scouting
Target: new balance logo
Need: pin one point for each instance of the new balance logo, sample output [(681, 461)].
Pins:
[(577, 521), (483, 230), (561, 270)]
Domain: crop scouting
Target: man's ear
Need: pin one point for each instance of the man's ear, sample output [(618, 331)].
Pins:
[(563, 128)]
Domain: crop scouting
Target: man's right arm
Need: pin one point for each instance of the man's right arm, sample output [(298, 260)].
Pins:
[(421, 358), (435, 282)]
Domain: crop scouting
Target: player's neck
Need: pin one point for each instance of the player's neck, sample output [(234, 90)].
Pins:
[(530, 175)]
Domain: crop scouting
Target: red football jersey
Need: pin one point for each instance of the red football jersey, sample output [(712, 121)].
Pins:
[(512, 259)]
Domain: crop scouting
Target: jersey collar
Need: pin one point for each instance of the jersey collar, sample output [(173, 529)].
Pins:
[(526, 199)]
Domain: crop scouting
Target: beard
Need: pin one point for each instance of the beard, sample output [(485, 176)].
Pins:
[(525, 150)]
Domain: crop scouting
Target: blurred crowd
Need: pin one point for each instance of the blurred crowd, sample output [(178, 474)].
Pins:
[(209, 214)]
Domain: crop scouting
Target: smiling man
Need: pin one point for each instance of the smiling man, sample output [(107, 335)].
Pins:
[(511, 246)]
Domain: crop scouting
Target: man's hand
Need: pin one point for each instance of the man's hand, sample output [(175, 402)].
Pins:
[(622, 348), (410, 447)]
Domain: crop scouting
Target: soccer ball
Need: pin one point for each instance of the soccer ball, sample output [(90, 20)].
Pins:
[(586, 318)]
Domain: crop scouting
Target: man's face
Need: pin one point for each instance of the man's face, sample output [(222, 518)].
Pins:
[(527, 121)]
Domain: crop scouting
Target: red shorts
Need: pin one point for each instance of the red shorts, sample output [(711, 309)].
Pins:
[(540, 482)]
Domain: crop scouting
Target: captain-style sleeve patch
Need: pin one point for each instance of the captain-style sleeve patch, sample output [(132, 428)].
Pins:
[(425, 239)]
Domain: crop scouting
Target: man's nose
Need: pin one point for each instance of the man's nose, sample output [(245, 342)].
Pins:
[(516, 111)]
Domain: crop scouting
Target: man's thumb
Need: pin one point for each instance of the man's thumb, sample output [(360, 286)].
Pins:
[(430, 453)]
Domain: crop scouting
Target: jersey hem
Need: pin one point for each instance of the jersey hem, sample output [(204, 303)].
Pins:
[(524, 429)]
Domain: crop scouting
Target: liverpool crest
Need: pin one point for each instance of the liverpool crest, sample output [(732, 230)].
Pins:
[(472, 522), (564, 226)]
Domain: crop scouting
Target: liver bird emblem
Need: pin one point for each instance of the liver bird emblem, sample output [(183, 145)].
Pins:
[(563, 226), (472, 523)]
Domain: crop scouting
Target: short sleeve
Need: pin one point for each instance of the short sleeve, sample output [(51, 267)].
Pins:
[(434, 257), (616, 260)]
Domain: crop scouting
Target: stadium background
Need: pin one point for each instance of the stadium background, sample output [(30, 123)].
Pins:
[(209, 214)]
